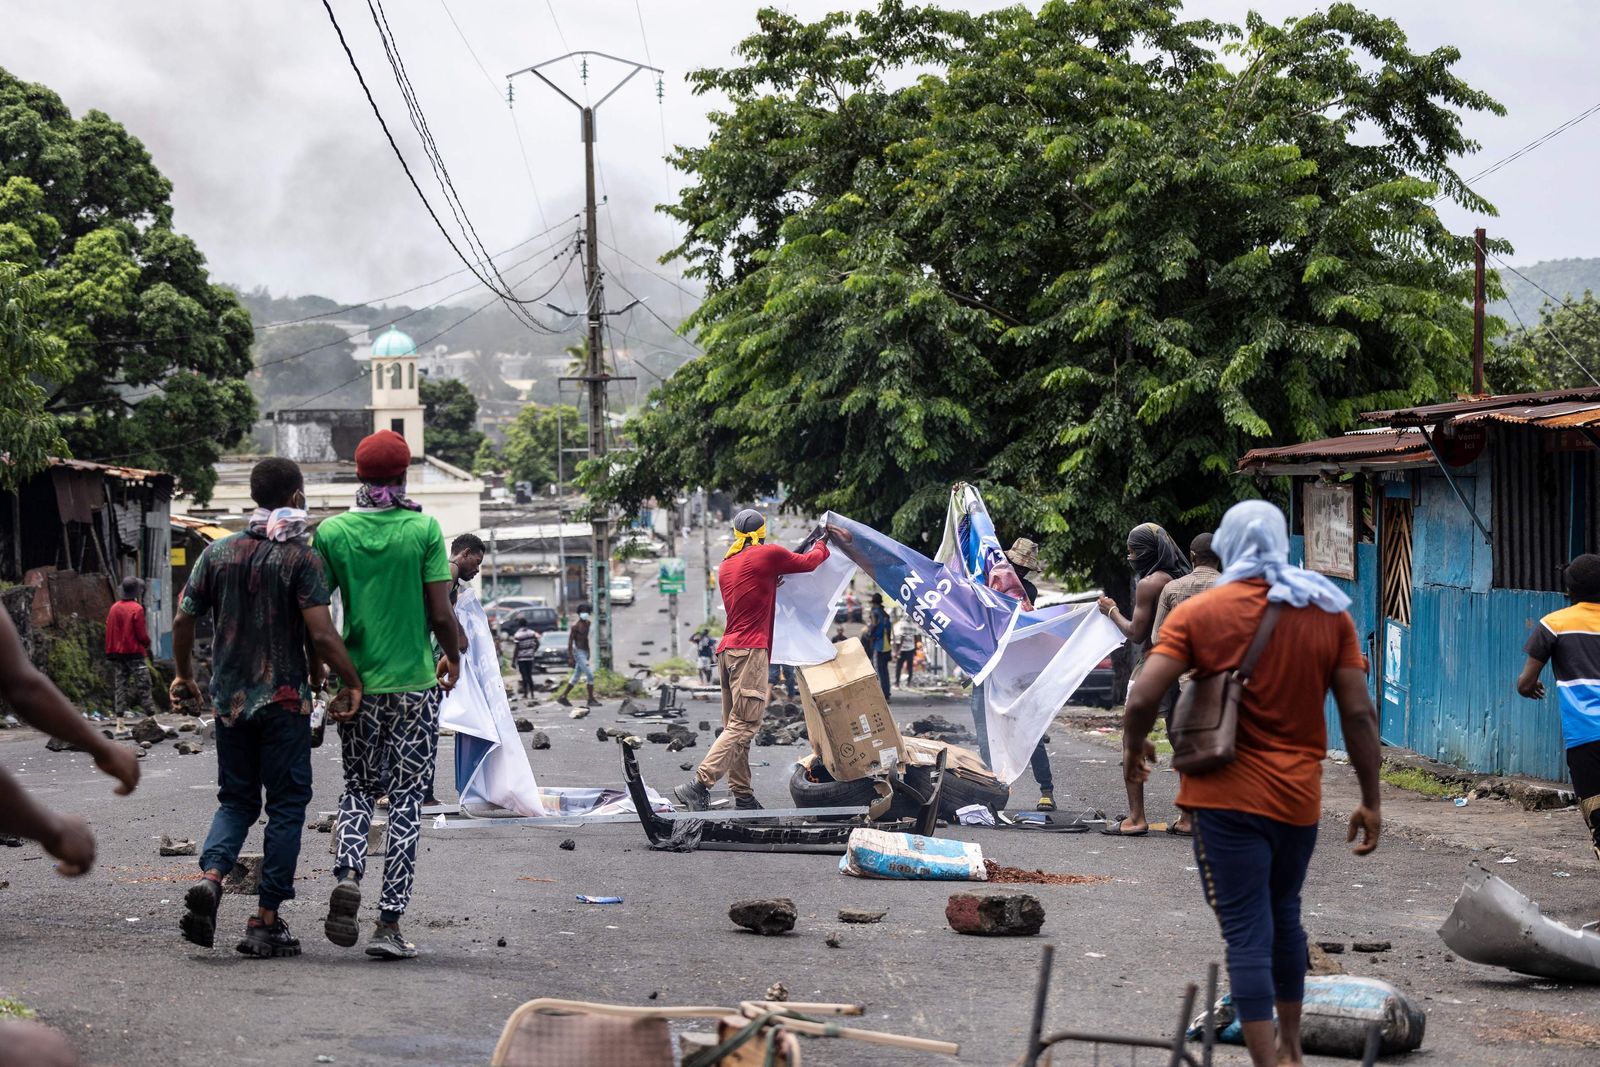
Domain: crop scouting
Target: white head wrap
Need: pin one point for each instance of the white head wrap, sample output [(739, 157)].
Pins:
[(1253, 542)]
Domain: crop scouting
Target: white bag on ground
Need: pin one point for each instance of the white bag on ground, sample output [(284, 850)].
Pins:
[(882, 854)]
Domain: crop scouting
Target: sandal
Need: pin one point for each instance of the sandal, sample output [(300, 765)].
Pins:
[(1172, 828), (1114, 829)]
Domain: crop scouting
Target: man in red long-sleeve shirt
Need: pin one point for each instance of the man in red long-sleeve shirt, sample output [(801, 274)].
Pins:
[(749, 578), (127, 645)]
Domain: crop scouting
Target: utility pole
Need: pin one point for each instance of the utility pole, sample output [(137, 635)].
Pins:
[(1477, 311), (705, 547), (594, 370), (672, 553)]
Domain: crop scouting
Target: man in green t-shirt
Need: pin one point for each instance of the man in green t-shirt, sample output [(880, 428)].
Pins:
[(388, 562)]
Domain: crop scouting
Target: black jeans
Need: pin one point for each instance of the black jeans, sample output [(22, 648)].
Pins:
[(269, 751), (881, 659), (906, 661), (525, 667)]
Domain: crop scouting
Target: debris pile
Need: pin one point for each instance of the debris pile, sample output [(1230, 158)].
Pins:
[(939, 728), (994, 915), (783, 724), (1019, 876), (765, 917), (170, 847)]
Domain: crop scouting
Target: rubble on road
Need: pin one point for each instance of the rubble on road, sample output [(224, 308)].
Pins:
[(1371, 946), (994, 915), (777, 993), (539, 740), (833, 941), (171, 847), (675, 732), (189, 748), (765, 917), (568, 844), (939, 728), (1321, 963), (1333, 948), (860, 915), (245, 878), (1492, 923), (147, 729), (523, 725), (55, 744), (323, 825), (187, 725), (1019, 876)]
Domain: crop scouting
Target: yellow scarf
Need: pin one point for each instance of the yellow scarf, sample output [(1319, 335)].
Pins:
[(742, 541)]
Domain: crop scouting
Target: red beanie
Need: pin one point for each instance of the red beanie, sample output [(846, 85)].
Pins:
[(381, 456)]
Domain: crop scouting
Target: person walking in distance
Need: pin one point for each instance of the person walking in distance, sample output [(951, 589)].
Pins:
[(1207, 568), (266, 591), (706, 654), (879, 639), (578, 657), (524, 651), (1569, 639), (1255, 818), (388, 562), (127, 648), (748, 578), (1156, 560), (906, 639)]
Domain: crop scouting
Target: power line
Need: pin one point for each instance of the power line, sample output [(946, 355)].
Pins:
[(657, 317), (1551, 329), (1549, 135), (649, 270)]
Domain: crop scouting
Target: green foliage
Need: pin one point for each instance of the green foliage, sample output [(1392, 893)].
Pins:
[(673, 665), (28, 355), (1564, 278), (487, 460), (71, 663), (608, 683), (327, 374), (1068, 255), (1416, 781), (529, 453), (156, 354), (15, 1009), (450, 420), (1561, 350)]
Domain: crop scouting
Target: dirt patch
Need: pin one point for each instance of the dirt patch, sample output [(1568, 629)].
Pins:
[(1018, 876), (1544, 1028)]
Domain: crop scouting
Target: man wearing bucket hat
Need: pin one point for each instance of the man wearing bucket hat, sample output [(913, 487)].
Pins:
[(748, 578), (389, 563)]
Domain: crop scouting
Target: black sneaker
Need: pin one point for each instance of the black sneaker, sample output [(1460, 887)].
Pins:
[(343, 904), (199, 922), (387, 944), (268, 942), (563, 701), (694, 795), (749, 803)]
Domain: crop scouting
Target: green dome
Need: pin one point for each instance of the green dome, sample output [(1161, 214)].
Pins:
[(393, 343)]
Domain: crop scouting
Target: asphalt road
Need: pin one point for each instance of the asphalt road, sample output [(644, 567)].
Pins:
[(101, 957)]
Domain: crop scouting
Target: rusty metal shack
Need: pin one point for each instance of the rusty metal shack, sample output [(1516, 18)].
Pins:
[(1448, 526), (76, 529)]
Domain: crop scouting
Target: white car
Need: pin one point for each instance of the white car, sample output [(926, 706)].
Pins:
[(622, 590), (640, 544)]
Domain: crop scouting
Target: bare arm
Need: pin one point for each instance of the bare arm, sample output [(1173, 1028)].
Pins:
[(1161, 672), (1528, 683), (39, 703), (324, 638), (1359, 721), (442, 621), (65, 837), (1145, 598)]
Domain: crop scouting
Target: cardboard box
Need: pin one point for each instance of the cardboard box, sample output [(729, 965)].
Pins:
[(847, 718)]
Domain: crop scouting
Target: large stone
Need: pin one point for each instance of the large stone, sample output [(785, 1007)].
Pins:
[(860, 915), (994, 915), (524, 726), (766, 917), (245, 878), (1536, 797), (147, 729), (55, 744), (540, 740), (189, 748), (169, 847)]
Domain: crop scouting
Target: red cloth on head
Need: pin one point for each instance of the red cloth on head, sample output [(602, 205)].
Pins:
[(381, 456)]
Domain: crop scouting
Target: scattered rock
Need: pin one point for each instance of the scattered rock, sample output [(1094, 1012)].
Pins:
[(777, 991), (658, 737), (171, 733), (524, 725), (1535, 797), (1018, 876), (833, 941), (245, 878), (189, 748), (568, 845), (147, 729), (186, 725), (628, 706), (1371, 946), (860, 915), (185, 847), (766, 917), (577, 713), (994, 915), (55, 744), (323, 825), (539, 741), (704, 725), (501, 943), (686, 766), (1321, 963), (1332, 948), (766, 736), (676, 745), (145, 746)]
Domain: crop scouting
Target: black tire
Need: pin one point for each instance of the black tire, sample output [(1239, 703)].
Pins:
[(832, 794), (959, 792)]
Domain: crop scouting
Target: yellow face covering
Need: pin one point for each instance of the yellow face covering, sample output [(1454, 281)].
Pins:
[(742, 541)]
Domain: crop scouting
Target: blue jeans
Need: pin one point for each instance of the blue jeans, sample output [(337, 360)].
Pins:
[(580, 669), (787, 673), (269, 751), (1252, 868), (1039, 762)]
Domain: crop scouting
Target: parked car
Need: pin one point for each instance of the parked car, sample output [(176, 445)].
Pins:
[(1096, 687), (622, 590), (639, 544), (552, 653), (496, 609), (541, 619)]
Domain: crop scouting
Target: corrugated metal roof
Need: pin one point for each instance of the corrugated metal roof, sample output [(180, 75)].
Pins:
[(204, 527), (1364, 449), (1568, 413), (1431, 413), (127, 474)]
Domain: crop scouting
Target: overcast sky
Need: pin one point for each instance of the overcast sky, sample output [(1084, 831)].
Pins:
[(283, 177)]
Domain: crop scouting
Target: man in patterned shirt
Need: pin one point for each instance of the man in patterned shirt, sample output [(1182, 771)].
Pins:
[(268, 597)]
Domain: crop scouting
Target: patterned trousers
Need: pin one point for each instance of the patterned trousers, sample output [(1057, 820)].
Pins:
[(387, 750), (130, 686)]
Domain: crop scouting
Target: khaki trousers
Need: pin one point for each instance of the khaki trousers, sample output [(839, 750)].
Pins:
[(744, 702)]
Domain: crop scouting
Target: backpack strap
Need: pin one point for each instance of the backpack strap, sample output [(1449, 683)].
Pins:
[(1264, 629)]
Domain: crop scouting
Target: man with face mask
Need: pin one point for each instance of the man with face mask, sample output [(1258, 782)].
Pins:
[(578, 657), (1156, 560)]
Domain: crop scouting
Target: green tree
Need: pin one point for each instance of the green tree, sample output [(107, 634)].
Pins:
[(1560, 351), (1070, 256), (31, 435), (487, 460), (529, 454), (156, 355), (313, 362), (450, 420)]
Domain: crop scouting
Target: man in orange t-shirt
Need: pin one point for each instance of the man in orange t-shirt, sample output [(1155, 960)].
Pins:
[(1255, 819)]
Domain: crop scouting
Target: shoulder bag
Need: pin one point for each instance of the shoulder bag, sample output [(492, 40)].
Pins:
[(1205, 723)]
